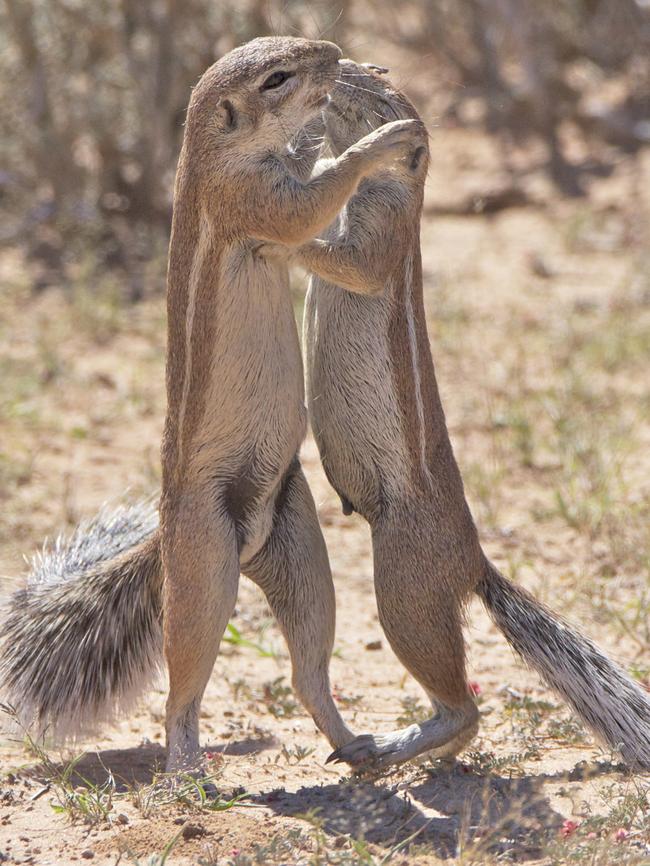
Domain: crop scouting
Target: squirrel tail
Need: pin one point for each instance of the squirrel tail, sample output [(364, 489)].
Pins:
[(604, 697), (81, 641)]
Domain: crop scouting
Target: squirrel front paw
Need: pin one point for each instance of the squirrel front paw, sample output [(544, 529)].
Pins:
[(393, 141)]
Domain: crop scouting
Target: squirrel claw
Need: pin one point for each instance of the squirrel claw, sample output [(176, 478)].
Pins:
[(364, 753), (333, 758)]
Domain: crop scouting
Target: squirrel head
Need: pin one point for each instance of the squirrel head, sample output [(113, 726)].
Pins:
[(256, 98), (363, 100)]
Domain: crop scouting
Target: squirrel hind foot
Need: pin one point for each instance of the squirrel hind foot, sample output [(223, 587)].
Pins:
[(441, 737)]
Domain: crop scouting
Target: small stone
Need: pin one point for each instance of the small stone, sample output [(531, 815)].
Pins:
[(88, 854), (122, 818), (373, 645), (192, 831)]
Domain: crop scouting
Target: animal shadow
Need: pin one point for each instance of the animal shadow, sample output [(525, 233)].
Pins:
[(446, 810), (138, 765)]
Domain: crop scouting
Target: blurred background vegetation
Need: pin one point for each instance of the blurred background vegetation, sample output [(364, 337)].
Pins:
[(92, 100)]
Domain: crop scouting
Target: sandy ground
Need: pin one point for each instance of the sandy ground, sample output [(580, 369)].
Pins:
[(84, 424)]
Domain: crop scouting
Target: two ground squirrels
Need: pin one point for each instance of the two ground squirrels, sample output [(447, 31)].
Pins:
[(89, 629), (380, 428)]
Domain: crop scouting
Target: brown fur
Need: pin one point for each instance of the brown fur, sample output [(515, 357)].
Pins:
[(233, 493), (381, 431), (419, 526), (83, 638)]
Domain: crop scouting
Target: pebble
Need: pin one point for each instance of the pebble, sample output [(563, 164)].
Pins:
[(192, 831)]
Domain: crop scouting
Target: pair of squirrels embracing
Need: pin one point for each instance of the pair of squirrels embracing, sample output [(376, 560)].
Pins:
[(103, 608)]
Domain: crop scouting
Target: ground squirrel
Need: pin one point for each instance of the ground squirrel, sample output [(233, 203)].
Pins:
[(86, 632), (381, 431)]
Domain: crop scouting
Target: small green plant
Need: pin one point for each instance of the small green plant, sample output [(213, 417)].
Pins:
[(413, 712), (631, 810), (296, 754), (76, 797), (568, 731), (192, 792), (538, 719), (527, 714), (489, 762), (618, 835), (82, 800), (278, 699), (87, 802), (235, 638)]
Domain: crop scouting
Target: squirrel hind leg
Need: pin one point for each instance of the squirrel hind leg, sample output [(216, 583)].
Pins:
[(293, 571), (443, 736)]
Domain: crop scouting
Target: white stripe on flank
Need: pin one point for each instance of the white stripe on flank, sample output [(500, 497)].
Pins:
[(193, 283), (413, 345)]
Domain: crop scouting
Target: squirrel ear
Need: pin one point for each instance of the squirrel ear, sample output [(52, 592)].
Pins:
[(226, 115), (416, 158)]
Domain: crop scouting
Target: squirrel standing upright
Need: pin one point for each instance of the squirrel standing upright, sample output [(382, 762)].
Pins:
[(381, 431), (89, 628)]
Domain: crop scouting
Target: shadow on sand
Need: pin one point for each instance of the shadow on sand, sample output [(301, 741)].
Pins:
[(141, 764), (444, 809)]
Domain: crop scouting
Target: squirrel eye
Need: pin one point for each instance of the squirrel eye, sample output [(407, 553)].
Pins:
[(276, 79)]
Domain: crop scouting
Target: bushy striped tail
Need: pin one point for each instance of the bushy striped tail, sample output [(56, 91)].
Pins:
[(83, 639), (604, 697)]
